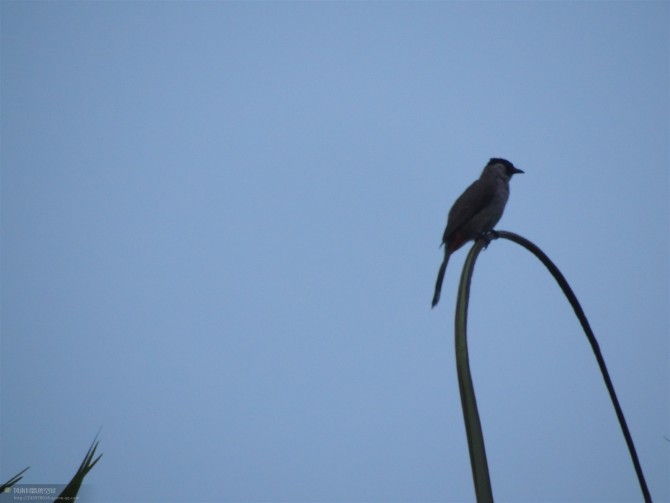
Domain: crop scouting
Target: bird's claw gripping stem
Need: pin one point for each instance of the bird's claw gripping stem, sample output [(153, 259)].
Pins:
[(489, 236)]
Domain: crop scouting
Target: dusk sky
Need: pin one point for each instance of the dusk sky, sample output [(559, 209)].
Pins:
[(220, 230)]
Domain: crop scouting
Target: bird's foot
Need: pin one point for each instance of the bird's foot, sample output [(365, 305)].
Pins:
[(489, 236)]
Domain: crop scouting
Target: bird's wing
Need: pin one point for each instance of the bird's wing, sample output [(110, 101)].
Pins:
[(472, 201)]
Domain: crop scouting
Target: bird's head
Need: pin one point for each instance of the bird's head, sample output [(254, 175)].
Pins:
[(501, 167)]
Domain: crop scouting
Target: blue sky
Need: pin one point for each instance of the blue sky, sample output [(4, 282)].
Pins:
[(220, 229)]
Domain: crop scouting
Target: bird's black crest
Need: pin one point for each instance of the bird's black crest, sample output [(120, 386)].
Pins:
[(499, 160), (509, 167)]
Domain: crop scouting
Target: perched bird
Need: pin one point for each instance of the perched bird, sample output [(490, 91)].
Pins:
[(476, 211)]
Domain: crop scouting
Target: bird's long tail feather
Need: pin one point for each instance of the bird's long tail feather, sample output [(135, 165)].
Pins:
[(440, 277)]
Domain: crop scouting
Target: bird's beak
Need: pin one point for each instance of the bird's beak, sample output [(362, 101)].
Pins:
[(516, 170)]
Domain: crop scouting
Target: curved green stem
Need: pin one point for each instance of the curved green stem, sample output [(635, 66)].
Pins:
[(473, 428), (560, 279), (471, 416)]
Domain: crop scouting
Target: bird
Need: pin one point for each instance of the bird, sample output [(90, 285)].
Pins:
[(476, 211)]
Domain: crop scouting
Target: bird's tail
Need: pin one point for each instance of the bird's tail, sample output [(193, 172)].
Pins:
[(440, 277)]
